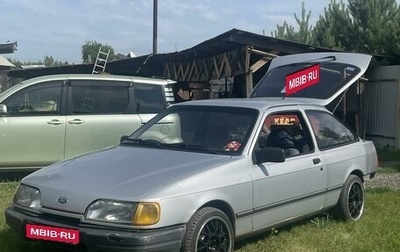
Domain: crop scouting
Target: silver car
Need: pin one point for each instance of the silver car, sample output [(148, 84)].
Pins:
[(55, 117), (200, 176)]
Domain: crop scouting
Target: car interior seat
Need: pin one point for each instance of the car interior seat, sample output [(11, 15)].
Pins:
[(217, 137), (279, 137)]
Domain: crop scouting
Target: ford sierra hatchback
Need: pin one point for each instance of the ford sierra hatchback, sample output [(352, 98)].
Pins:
[(198, 177), (52, 118)]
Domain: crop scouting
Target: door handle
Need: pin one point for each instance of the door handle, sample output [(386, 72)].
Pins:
[(55, 122), (75, 121), (316, 161)]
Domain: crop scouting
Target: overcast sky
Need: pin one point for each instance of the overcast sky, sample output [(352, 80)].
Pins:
[(59, 28)]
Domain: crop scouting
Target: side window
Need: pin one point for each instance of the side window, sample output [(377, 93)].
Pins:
[(149, 98), (92, 99), (43, 99), (286, 130), (328, 130)]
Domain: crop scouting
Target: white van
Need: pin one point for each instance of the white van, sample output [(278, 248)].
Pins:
[(55, 117)]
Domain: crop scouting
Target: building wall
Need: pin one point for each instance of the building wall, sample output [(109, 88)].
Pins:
[(381, 106)]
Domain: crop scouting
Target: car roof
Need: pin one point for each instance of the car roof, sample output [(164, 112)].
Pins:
[(101, 77), (127, 78), (255, 103)]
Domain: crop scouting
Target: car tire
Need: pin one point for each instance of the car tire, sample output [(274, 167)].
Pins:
[(350, 206), (209, 229)]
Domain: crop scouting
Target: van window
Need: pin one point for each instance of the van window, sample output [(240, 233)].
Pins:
[(99, 99), (149, 98), (42, 99)]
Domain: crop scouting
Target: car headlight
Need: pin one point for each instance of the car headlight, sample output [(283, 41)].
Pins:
[(27, 196), (141, 214)]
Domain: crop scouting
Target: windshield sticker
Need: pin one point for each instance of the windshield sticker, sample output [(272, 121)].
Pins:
[(302, 79)]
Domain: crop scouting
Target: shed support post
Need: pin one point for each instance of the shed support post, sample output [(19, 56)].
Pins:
[(248, 71)]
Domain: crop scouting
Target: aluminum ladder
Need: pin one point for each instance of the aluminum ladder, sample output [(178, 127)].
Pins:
[(101, 62)]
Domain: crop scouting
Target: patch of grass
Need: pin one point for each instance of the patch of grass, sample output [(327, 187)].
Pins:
[(6, 193), (389, 169), (376, 231), (387, 155), (10, 241)]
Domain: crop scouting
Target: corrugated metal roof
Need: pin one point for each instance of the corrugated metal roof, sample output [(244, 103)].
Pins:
[(8, 48)]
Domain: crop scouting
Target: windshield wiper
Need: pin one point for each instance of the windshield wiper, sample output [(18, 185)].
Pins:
[(192, 147), (142, 142), (181, 146)]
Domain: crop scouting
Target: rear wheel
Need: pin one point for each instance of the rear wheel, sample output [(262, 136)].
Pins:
[(209, 229), (351, 202)]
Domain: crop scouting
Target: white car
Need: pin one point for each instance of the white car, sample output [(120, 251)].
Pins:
[(200, 176)]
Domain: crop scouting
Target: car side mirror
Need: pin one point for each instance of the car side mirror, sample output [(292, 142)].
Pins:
[(270, 154), (3, 109), (123, 138)]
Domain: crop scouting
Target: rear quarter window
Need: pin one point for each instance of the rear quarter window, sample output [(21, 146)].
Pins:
[(329, 131), (149, 98)]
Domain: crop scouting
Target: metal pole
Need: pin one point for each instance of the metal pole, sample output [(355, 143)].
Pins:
[(155, 13)]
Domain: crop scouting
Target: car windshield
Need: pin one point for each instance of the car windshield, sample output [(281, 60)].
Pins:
[(208, 129), (333, 77)]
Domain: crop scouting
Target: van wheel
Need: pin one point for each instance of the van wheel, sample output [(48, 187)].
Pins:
[(209, 229), (350, 206)]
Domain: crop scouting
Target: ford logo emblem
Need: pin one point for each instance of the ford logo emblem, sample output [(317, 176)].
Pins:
[(62, 200)]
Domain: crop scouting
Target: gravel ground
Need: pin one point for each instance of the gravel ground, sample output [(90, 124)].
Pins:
[(385, 180)]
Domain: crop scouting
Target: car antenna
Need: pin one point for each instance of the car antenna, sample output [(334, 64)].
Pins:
[(283, 91)]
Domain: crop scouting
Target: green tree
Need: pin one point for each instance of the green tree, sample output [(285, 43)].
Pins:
[(365, 26), (16, 63), (376, 27), (48, 61), (91, 48), (288, 32), (333, 29)]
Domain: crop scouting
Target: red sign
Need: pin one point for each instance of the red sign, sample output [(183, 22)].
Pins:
[(52, 233), (302, 79)]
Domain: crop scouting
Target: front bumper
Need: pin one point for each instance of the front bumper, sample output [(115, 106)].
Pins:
[(101, 238)]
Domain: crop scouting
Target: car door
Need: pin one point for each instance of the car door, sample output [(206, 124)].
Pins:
[(338, 146), (99, 113), (32, 133), (295, 187)]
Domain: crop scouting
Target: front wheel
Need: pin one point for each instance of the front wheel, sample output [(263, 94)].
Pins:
[(209, 229), (351, 201)]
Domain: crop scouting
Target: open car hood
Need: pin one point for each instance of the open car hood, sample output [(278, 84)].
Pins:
[(336, 73)]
